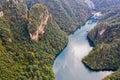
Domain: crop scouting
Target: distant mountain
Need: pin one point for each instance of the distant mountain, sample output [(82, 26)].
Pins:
[(105, 3)]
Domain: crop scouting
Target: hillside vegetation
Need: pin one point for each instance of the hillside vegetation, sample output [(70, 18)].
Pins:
[(67, 13), (106, 37), (104, 4), (22, 58)]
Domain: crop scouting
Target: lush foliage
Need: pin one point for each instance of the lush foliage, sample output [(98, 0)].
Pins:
[(103, 4), (21, 58), (67, 13), (106, 37), (35, 17)]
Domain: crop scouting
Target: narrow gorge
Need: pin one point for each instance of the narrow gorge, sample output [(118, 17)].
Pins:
[(68, 65), (59, 39)]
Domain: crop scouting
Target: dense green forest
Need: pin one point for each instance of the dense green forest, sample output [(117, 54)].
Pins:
[(67, 13), (32, 32), (106, 37), (104, 4), (20, 57)]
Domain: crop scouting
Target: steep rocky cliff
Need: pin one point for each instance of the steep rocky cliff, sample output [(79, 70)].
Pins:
[(37, 24)]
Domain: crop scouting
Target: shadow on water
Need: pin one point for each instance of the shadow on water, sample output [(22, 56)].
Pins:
[(90, 42)]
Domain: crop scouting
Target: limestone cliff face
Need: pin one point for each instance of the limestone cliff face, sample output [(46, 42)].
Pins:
[(40, 29), (39, 23)]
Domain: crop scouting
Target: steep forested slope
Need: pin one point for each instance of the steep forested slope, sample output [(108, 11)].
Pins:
[(103, 4), (21, 57), (106, 37), (67, 13)]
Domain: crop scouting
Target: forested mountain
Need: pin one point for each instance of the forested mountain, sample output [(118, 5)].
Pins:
[(31, 35), (32, 32), (103, 4), (67, 13), (106, 37), (21, 56)]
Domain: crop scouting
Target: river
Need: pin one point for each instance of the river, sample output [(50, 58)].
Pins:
[(68, 65)]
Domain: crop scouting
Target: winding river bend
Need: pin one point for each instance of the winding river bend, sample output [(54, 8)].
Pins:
[(68, 65)]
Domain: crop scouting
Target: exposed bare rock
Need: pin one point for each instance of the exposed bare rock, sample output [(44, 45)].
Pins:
[(68, 14), (10, 40), (102, 32), (90, 4), (40, 29), (1, 13)]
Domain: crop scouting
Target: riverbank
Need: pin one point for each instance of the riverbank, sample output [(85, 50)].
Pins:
[(68, 64), (94, 69)]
